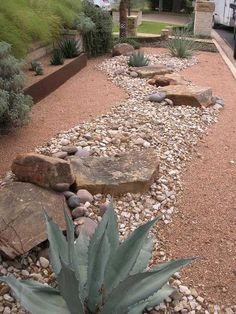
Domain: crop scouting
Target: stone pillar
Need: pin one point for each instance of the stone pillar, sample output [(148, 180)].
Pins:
[(203, 17), (132, 26)]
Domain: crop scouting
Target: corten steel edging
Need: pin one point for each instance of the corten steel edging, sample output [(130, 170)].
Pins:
[(50, 83)]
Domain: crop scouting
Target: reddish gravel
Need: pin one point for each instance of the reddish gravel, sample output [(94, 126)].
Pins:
[(205, 224), (86, 95)]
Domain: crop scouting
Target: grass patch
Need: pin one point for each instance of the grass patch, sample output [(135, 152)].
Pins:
[(148, 27)]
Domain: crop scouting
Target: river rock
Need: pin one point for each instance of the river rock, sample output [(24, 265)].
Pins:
[(42, 170), (132, 172), (157, 97), (188, 95), (22, 222), (85, 196)]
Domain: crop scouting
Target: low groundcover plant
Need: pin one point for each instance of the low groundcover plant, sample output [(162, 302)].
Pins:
[(98, 276)]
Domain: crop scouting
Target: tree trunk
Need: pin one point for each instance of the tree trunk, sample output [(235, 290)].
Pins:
[(123, 18)]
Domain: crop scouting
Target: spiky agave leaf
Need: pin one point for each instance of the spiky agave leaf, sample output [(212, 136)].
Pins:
[(124, 258), (139, 287), (138, 59), (36, 297)]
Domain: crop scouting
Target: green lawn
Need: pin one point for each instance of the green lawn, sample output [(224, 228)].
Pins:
[(149, 27)]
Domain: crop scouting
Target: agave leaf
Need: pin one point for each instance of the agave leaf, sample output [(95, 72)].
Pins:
[(37, 298), (81, 265), (144, 257), (124, 258), (69, 289), (70, 229), (58, 244), (140, 287), (98, 258), (138, 308)]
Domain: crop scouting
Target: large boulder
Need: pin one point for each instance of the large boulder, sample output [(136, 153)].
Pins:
[(133, 172), (168, 79), (188, 95), (48, 172), (22, 221), (150, 71), (123, 49)]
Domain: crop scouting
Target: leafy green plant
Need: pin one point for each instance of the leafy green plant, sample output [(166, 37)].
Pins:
[(70, 48), (100, 276), (98, 40), (14, 105), (84, 24), (127, 40), (138, 59), (57, 57), (181, 46)]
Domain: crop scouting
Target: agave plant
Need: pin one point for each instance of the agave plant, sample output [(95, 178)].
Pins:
[(57, 57), (70, 47), (100, 276), (138, 59)]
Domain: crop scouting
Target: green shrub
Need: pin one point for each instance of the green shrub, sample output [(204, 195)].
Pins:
[(23, 22), (14, 105), (100, 276), (98, 40), (181, 46), (127, 40), (70, 48), (84, 24), (138, 59), (57, 57)]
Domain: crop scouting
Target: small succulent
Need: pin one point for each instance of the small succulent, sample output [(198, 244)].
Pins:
[(70, 48), (34, 64), (57, 57), (100, 276), (138, 59), (39, 69)]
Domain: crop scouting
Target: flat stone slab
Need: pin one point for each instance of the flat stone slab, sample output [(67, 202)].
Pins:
[(168, 79), (150, 71), (22, 221), (133, 172), (188, 95)]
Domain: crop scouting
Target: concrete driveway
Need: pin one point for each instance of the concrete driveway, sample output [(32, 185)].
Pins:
[(166, 18)]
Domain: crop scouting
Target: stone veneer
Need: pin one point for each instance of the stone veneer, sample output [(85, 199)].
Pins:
[(203, 17)]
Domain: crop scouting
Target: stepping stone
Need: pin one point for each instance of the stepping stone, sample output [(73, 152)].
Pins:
[(188, 95), (48, 172), (150, 71), (168, 79), (22, 221), (133, 172)]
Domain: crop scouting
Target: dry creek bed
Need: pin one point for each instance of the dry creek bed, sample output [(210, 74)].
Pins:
[(136, 124)]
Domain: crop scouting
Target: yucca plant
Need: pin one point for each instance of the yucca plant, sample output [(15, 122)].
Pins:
[(100, 276), (181, 46), (138, 59), (57, 57), (70, 47)]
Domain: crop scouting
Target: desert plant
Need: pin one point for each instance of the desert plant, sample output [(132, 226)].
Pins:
[(34, 64), (84, 24), (100, 276), (39, 69), (138, 59), (99, 39), (57, 57), (69, 47), (14, 105), (127, 40), (181, 46)]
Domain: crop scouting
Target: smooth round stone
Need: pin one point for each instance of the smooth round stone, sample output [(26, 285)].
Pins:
[(78, 212), (44, 262), (68, 194), (157, 97), (73, 201), (133, 74), (83, 153), (61, 187), (64, 142), (44, 253), (61, 155), (86, 224), (85, 196), (169, 102), (70, 150)]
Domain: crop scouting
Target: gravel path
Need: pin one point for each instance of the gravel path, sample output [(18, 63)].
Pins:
[(86, 95), (206, 222)]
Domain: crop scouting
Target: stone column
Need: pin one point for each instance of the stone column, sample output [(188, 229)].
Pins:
[(203, 17), (132, 25)]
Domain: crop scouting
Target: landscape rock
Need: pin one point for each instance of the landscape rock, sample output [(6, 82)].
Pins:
[(122, 49), (168, 79), (85, 224), (78, 212), (85, 196), (61, 187), (68, 194), (133, 74), (82, 153), (150, 71), (157, 97), (132, 172), (70, 150), (73, 201), (188, 95), (42, 170), (44, 262), (22, 222), (61, 155)]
